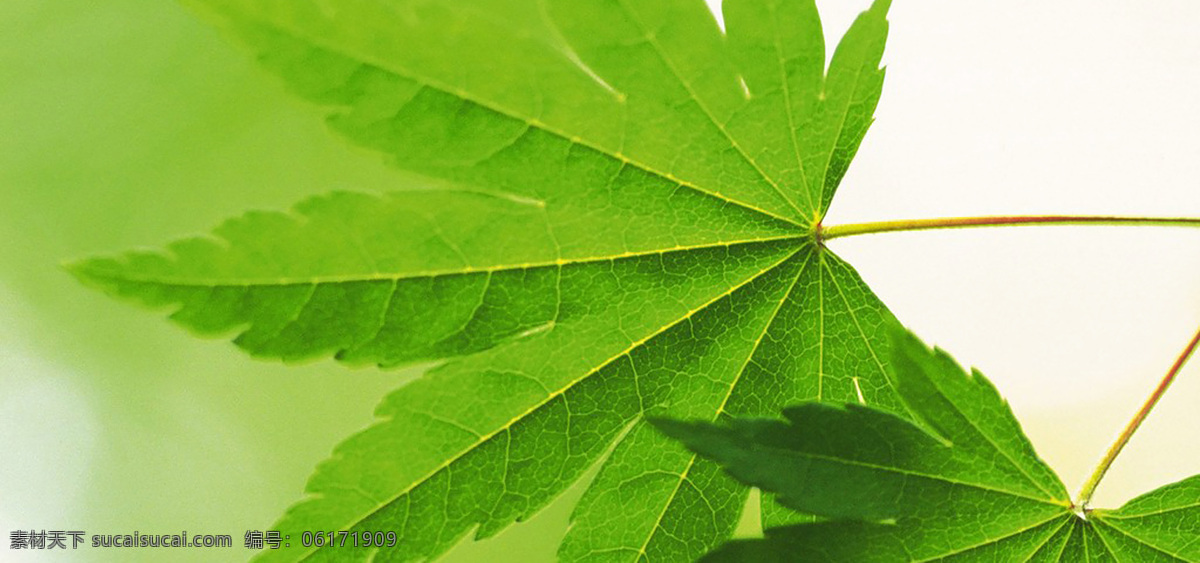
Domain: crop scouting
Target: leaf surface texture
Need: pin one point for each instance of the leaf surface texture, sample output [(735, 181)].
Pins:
[(617, 219), (962, 483)]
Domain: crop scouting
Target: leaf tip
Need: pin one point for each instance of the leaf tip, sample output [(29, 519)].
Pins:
[(91, 272), (672, 428)]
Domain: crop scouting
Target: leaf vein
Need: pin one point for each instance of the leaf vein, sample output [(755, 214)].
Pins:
[(447, 465)]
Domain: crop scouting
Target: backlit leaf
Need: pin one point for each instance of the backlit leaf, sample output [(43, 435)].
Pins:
[(617, 218), (965, 485)]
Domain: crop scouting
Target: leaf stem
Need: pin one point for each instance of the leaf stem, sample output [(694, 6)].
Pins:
[(852, 229), (1089, 488)]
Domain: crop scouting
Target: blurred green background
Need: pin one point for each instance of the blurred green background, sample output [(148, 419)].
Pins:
[(127, 124)]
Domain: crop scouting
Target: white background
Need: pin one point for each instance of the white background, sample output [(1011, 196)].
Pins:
[(112, 420), (1044, 108)]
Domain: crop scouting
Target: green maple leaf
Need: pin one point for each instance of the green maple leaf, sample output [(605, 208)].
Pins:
[(960, 483), (620, 219)]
